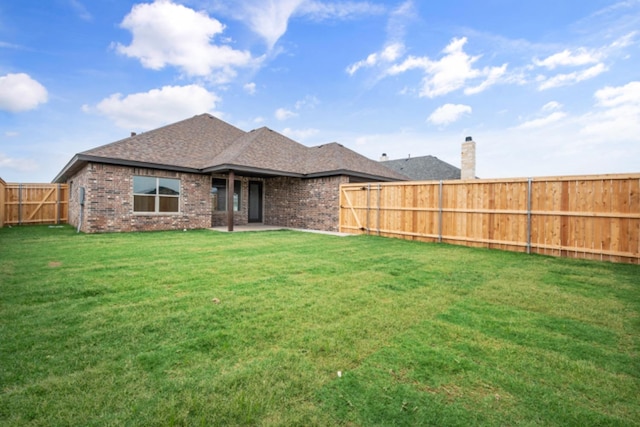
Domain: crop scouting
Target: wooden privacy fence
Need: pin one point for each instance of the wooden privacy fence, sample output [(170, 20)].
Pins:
[(33, 203), (593, 217)]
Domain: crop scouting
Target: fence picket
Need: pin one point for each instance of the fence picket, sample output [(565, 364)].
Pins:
[(33, 203), (592, 217)]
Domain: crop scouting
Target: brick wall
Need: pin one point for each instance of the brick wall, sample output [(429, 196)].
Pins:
[(288, 202), (303, 203), (109, 200)]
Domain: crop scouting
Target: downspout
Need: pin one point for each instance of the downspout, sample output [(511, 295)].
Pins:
[(81, 197)]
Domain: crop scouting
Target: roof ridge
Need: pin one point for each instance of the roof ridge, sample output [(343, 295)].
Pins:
[(235, 148), (150, 133)]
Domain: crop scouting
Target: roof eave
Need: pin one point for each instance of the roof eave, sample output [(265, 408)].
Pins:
[(357, 174), (69, 169), (79, 160), (249, 170)]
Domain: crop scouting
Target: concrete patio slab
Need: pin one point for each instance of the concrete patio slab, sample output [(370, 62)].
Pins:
[(262, 227)]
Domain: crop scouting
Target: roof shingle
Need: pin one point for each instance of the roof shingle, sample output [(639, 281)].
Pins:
[(206, 144), (424, 168)]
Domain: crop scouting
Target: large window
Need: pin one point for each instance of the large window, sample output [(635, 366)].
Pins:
[(219, 192), (151, 194)]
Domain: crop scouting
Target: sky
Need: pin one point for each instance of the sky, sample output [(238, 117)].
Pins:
[(543, 87)]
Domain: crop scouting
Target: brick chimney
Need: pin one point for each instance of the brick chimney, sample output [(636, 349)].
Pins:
[(468, 164)]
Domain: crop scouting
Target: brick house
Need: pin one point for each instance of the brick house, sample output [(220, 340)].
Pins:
[(203, 172)]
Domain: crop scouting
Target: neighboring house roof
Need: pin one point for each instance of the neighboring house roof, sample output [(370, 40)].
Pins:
[(425, 168), (205, 144)]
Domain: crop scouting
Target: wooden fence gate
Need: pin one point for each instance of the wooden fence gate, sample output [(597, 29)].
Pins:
[(33, 203), (593, 217)]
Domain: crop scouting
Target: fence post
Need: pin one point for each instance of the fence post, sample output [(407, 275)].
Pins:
[(529, 215), (368, 207), (20, 204), (2, 201), (440, 213), (58, 204), (378, 220)]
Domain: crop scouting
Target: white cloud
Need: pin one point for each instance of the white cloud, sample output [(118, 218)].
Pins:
[(551, 106), (394, 47), (81, 10), (569, 58), (493, 76), (270, 19), (452, 72), (572, 78), (165, 33), (19, 92), (250, 88), (11, 134), (589, 62), (339, 10), (448, 114), (300, 134), (549, 113), (543, 121), (624, 41), (615, 96), (396, 27), (284, 114), (149, 110), (388, 54), (20, 165), (308, 102), (619, 116)]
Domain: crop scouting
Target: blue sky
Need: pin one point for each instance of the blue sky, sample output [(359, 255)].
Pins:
[(543, 87)]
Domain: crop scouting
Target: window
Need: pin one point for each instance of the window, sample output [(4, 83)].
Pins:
[(151, 194), (219, 193)]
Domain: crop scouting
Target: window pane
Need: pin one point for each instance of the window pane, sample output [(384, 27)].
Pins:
[(221, 202), (144, 185), (237, 191), (169, 204), (220, 194), (144, 203), (169, 186), (219, 187)]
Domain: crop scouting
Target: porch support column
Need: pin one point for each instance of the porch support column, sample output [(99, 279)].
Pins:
[(230, 191)]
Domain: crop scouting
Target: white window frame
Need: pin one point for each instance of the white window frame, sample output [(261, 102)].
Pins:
[(157, 196)]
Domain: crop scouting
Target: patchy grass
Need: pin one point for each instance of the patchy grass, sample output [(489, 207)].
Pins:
[(206, 328)]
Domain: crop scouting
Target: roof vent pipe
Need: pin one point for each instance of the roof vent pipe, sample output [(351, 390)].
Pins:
[(384, 157)]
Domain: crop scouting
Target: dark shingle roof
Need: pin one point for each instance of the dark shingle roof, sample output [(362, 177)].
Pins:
[(191, 143), (335, 157), (263, 149), (425, 168), (206, 144)]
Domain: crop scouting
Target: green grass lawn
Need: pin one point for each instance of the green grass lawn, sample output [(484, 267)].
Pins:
[(207, 328)]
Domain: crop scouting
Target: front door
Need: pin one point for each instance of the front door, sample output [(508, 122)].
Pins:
[(255, 201)]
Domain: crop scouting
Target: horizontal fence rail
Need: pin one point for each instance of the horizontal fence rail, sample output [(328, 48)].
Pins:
[(33, 203), (592, 217)]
